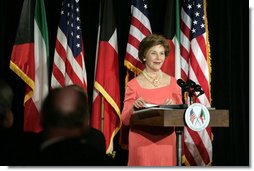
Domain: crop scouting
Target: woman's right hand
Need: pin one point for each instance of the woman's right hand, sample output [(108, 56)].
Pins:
[(139, 103)]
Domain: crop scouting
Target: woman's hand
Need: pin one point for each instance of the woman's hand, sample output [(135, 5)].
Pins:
[(169, 102), (139, 103)]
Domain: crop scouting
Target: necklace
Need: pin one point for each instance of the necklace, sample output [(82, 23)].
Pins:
[(155, 81)]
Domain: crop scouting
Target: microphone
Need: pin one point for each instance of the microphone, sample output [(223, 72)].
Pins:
[(194, 88), (197, 88), (191, 83), (200, 93), (191, 87), (181, 83)]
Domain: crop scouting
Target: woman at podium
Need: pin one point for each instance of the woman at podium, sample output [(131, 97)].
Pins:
[(151, 146)]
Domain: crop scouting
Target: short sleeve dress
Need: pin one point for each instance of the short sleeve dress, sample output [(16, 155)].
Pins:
[(150, 146)]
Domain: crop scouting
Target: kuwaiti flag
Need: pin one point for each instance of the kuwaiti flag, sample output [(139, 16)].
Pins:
[(172, 64), (29, 60), (106, 95)]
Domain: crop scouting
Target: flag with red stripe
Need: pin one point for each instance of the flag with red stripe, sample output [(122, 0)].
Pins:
[(195, 65), (29, 60), (106, 95), (69, 65), (139, 28)]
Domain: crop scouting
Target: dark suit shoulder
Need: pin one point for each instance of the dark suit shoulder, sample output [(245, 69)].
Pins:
[(73, 151), (96, 139)]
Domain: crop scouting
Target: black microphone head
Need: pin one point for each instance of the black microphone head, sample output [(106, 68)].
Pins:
[(201, 92), (191, 83), (181, 83), (198, 88)]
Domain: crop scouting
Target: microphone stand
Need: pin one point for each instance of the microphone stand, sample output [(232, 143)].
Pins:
[(179, 130), (183, 99), (191, 89), (191, 97)]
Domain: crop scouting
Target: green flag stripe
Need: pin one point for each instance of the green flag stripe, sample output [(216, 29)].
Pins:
[(178, 21), (40, 18)]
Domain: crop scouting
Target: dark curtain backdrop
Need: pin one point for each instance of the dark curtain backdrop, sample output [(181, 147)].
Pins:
[(228, 33)]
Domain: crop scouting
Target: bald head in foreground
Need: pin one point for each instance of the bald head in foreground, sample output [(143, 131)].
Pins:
[(65, 112), (68, 138)]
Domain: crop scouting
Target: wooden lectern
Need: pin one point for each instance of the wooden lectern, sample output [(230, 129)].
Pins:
[(165, 117)]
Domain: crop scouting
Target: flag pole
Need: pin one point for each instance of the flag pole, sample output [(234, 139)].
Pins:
[(102, 114), (98, 38)]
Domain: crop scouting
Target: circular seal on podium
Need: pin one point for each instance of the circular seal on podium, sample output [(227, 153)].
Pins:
[(197, 117)]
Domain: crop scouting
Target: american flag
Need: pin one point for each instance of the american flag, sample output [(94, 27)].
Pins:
[(140, 28), (192, 116), (195, 65), (69, 65)]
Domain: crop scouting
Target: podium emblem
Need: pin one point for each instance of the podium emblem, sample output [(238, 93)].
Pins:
[(197, 117)]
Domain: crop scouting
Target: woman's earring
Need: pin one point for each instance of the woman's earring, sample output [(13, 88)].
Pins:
[(144, 59)]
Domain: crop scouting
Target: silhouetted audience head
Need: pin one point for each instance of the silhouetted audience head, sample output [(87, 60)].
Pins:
[(66, 109), (68, 138), (6, 97)]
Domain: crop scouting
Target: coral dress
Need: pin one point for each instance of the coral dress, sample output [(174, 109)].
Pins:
[(150, 146)]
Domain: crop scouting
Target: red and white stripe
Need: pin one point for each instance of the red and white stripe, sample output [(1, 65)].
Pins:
[(139, 29), (185, 43), (67, 69), (195, 66)]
